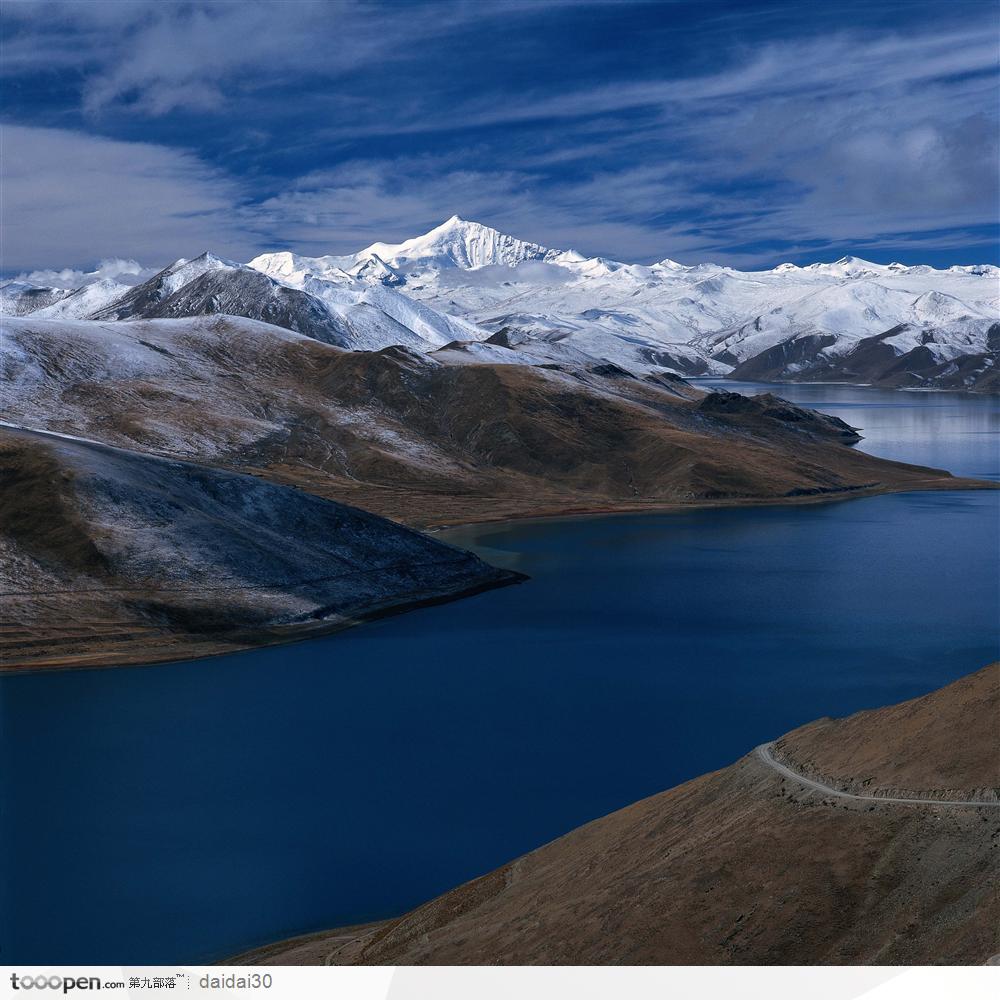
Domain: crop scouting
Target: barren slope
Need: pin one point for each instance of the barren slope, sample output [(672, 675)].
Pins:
[(745, 866)]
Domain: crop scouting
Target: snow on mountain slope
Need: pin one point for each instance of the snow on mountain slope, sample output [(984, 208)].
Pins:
[(337, 309), (426, 326), (464, 282), (140, 299), (292, 269), (458, 243), (90, 352), (376, 271), (845, 312), (709, 318), (702, 319), (478, 280), (84, 301), (245, 292), (19, 298), (454, 244), (60, 373)]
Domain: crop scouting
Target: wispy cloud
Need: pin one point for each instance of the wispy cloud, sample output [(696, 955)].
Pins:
[(70, 197), (153, 58), (732, 134)]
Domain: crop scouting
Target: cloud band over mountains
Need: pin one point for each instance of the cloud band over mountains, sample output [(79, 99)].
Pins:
[(742, 134)]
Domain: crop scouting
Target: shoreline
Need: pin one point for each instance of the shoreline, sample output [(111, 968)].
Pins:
[(303, 633), (977, 393), (965, 484), (223, 646)]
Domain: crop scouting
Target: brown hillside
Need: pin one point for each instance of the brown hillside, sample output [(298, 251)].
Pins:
[(744, 866), (946, 744), (423, 442)]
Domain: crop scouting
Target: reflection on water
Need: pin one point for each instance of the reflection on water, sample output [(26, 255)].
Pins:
[(184, 812), (957, 431)]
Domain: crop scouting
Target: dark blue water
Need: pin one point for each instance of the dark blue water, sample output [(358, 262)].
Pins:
[(184, 812)]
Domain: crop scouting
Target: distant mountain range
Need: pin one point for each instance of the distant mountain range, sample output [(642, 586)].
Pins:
[(481, 295)]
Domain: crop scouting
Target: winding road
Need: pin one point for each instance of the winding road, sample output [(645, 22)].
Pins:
[(765, 753)]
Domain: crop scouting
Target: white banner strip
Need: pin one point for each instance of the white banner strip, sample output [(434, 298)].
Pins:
[(495, 983)]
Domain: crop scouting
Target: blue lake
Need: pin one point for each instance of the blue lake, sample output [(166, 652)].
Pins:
[(187, 811)]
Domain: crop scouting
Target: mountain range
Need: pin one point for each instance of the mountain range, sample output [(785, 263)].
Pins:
[(185, 465), (483, 296), (424, 438)]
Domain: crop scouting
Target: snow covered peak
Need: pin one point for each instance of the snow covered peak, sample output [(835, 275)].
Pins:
[(848, 267), (182, 271), (458, 243), (936, 307), (376, 271), (568, 257), (292, 270), (278, 264), (671, 265)]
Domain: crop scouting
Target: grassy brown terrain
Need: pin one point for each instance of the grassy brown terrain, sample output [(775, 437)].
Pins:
[(745, 866), (935, 745), (406, 436)]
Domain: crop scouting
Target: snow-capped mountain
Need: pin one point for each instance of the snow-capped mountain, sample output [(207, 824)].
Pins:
[(376, 271), (140, 300), (454, 245), (337, 309), (486, 295), (458, 243), (704, 319)]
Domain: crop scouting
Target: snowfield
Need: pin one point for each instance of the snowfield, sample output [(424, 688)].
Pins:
[(463, 284)]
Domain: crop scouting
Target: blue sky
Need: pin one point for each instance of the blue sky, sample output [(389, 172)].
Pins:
[(747, 133)]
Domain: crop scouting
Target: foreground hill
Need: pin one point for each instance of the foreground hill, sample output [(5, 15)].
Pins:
[(749, 865), (423, 439), (139, 558)]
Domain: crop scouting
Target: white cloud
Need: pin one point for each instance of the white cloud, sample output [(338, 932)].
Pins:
[(126, 272), (76, 198)]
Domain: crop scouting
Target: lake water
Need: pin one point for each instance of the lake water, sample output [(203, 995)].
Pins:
[(187, 811)]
